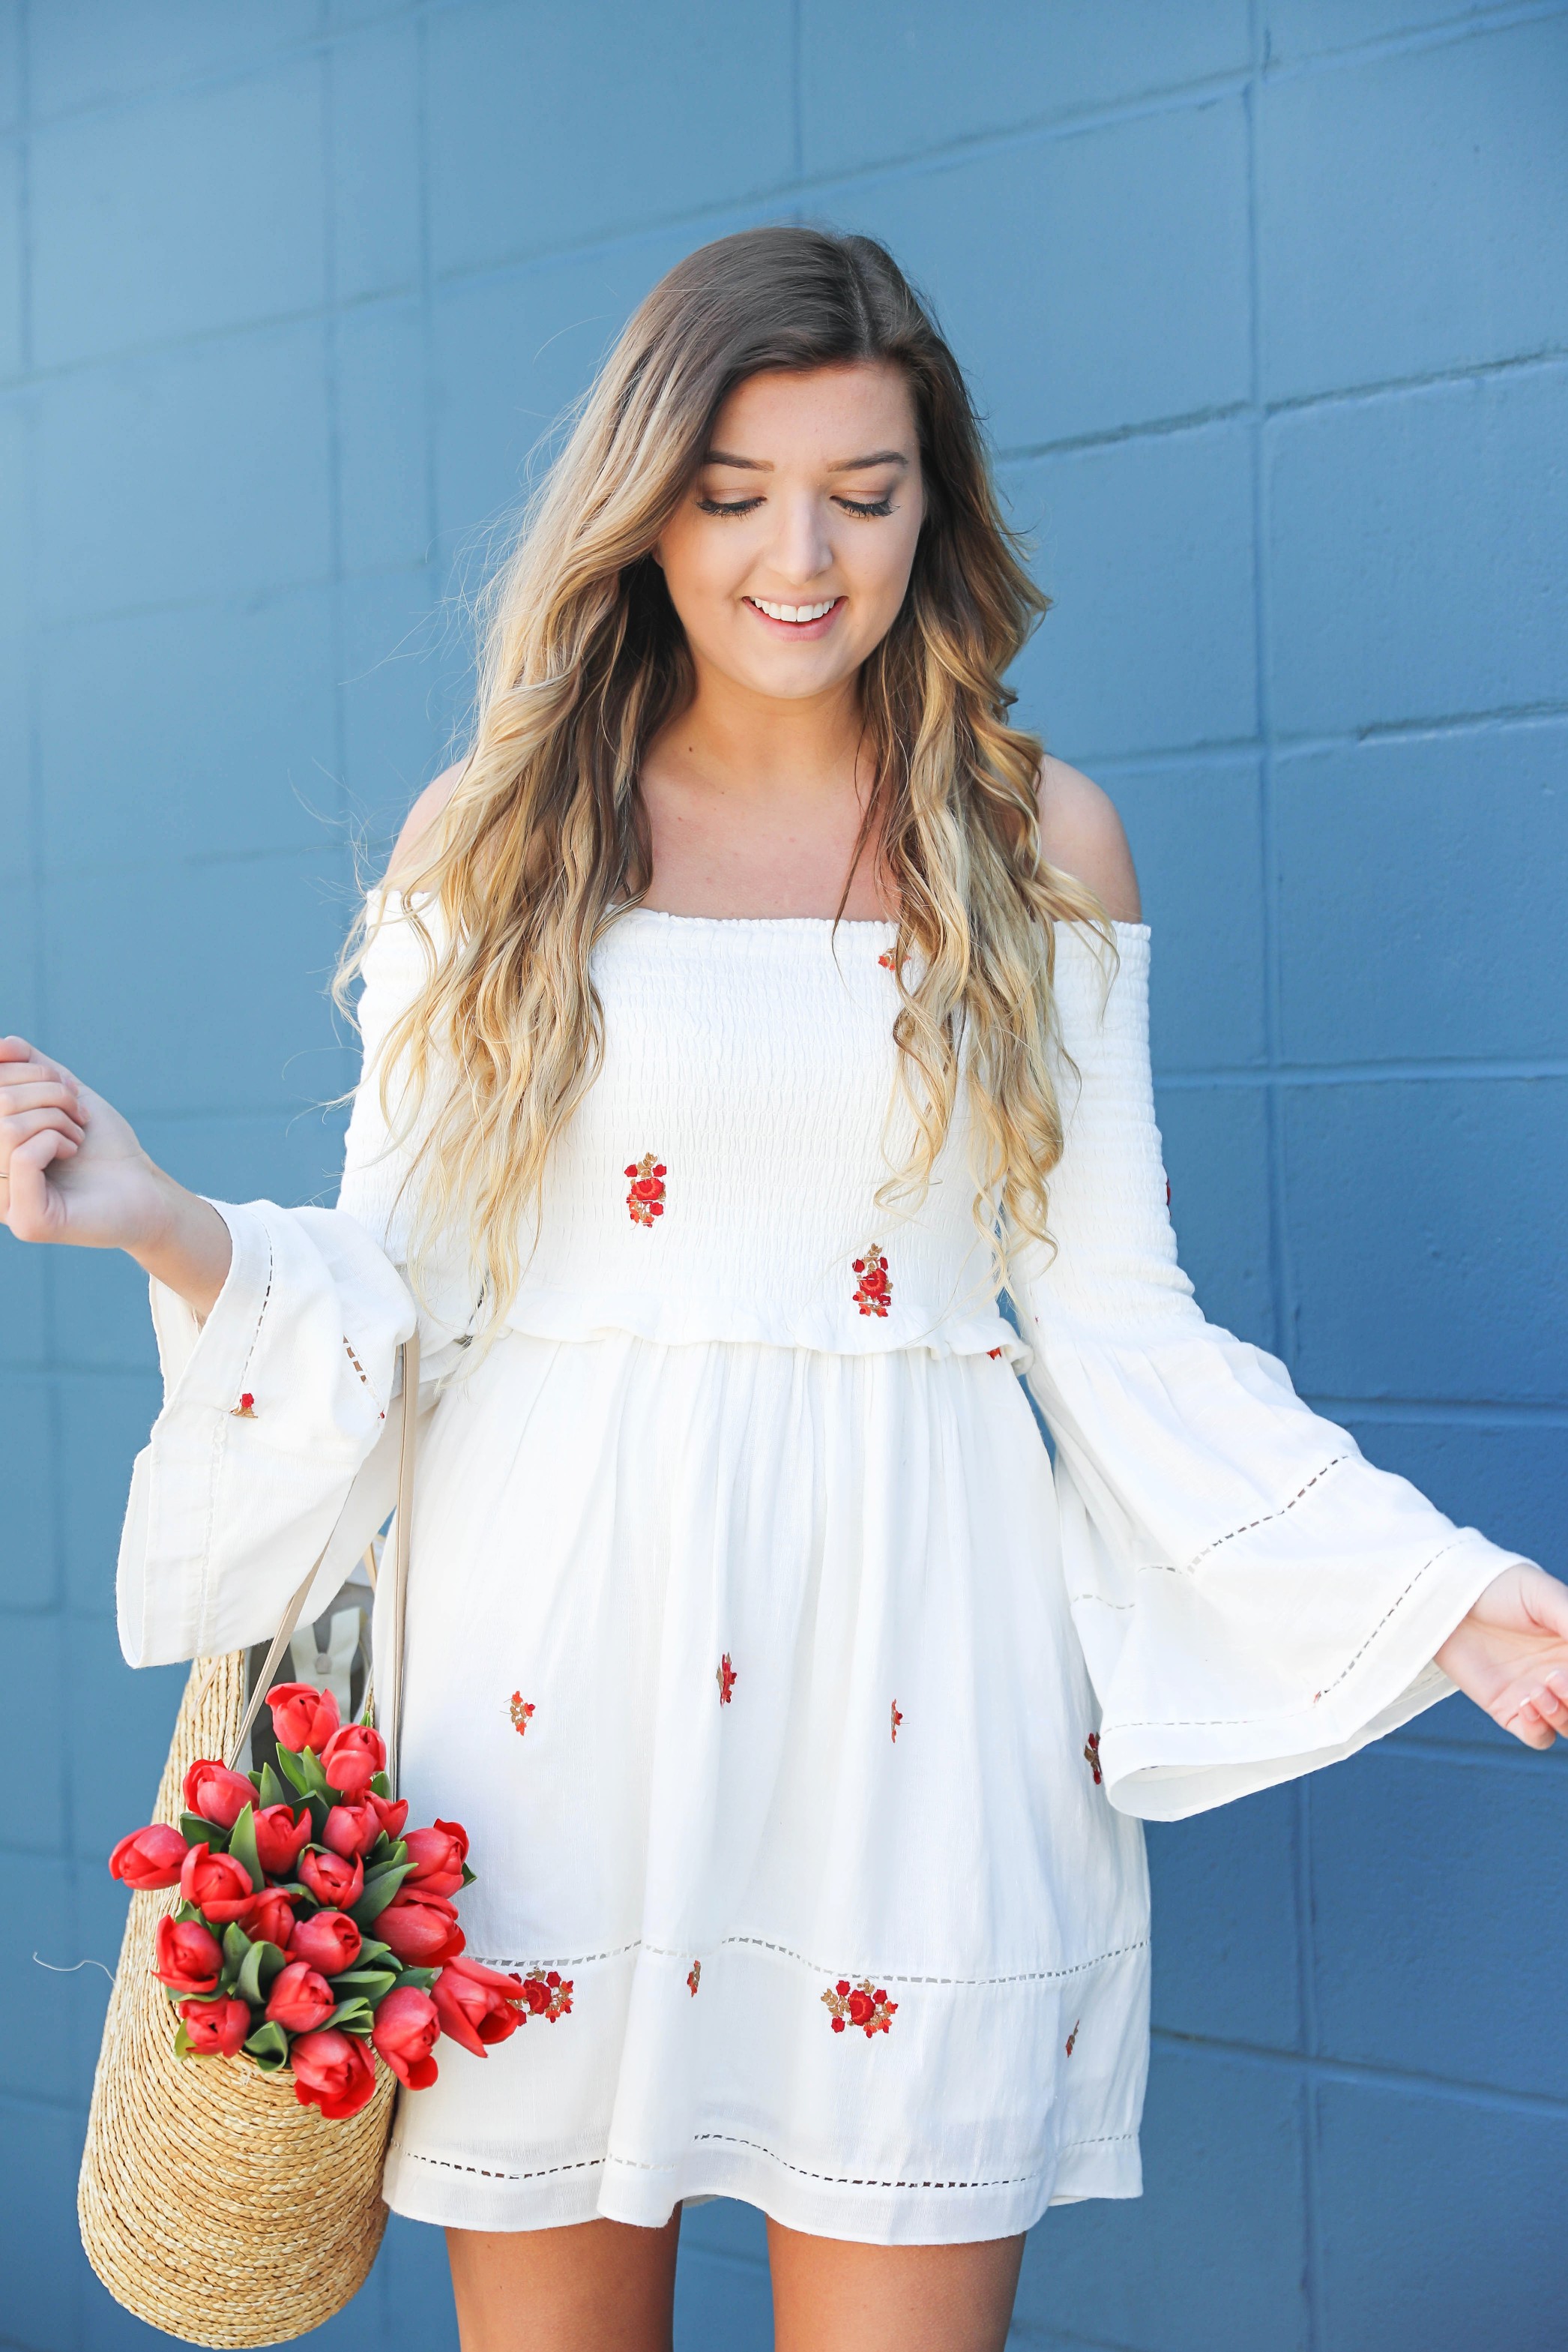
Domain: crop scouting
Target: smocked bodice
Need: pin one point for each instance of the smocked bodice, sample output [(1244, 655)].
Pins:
[(719, 1179)]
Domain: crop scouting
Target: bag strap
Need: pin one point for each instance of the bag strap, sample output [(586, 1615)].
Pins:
[(390, 1697)]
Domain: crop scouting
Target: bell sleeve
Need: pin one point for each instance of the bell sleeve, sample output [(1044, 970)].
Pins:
[(1253, 1598), (273, 1445)]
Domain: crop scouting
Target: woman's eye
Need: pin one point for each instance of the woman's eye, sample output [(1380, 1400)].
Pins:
[(864, 506), (727, 507)]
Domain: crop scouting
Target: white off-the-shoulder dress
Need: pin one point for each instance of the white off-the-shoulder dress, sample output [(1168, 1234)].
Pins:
[(801, 1710)]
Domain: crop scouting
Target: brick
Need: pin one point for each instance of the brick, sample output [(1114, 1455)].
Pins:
[(31, 1481), (35, 1816), (1195, 834), (1295, 29), (99, 50), (191, 211), (41, 2256), (383, 429), (1146, 546), (936, 84), (191, 474), (1429, 1259), (1226, 1959), (1069, 352), (397, 698), (1419, 897), (166, 687), (510, 353), (1415, 542), (104, 1424), (1410, 1882), (1408, 214), (376, 163), (719, 2300), (1441, 2219), (132, 1715), (1216, 1144), (262, 934), (10, 260), (541, 133), (37, 1918), (418, 2284), (1223, 2172)]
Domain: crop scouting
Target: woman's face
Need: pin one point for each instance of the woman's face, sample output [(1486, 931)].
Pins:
[(789, 557)]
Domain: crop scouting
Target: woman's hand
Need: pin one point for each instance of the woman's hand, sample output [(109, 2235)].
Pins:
[(71, 1170), (1511, 1654)]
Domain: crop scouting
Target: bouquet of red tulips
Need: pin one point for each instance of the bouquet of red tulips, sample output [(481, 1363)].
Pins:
[(313, 1929)]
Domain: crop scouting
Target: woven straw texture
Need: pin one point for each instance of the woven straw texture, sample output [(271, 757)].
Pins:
[(212, 2204)]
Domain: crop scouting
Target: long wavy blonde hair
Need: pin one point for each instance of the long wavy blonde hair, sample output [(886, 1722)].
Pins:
[(544, 841)]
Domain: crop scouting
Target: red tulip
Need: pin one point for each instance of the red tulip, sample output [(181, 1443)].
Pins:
[(352, 1757), (279, 1835), (215, 2029), (421, 1928), (218, 1885), (329, 1940), (301, 1998), (332, 1881), (392, 1812), (437, 1855), (302, 1717), (406, 2028), (333, 2071), (268, 1919), (149, 1857), (219, 1795), (352, 1830), (477, 2005), (188, 1958)]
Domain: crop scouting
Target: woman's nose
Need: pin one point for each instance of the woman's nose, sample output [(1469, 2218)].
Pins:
[(803, 550)]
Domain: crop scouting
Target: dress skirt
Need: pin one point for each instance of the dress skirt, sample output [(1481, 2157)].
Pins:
[(751, 1673)]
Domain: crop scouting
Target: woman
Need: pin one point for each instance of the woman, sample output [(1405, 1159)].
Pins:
[(745, 1012)]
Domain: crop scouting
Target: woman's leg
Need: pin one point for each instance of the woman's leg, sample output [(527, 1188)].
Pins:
[(595, 2287), (831, 2296)]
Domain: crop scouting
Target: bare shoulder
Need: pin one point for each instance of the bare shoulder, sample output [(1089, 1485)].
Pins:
[(420, 818), (1081, 833)]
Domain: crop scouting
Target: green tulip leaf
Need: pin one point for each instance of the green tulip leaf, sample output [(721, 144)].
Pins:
[(182, 2043), (381, 1885), (352, 2017), (196, 1832), (369, 1984), (321, 1807), (273, 1791), (242, 1846), (370, 1951), (268, 2045), (237, 1945), (382, 1785), (468, 1876), (256, 1972), (315, 1781), (292, 1767), (416, 1979)]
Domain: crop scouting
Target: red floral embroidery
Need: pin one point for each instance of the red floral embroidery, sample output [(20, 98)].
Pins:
[(860, 2005), (873, 1292), (1074, 2035), (888, 961), (993, 1353), (246, 1409), (646, 1198), (694, 1978), (727, 1676), (521, 1710), (1091, 1756), (897, 1718), (547, 1996)]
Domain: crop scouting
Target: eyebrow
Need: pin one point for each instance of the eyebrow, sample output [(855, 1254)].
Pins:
[(846, 466)]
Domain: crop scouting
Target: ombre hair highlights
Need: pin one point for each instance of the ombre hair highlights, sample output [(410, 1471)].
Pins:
[(545, 838)]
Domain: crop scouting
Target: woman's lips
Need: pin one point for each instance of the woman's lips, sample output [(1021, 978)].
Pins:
[(798, 629)]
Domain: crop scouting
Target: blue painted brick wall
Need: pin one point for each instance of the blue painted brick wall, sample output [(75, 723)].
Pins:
[(1267, 301)]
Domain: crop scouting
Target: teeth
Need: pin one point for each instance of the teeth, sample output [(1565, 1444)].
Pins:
[(794, 612)]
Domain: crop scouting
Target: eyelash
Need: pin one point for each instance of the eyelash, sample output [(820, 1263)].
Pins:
[(849, 506)]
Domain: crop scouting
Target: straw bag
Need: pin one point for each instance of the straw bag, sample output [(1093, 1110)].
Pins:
[(211, 2204)]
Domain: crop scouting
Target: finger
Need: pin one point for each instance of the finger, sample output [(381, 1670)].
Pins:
[(20, 1090), (30, 1069), (1546, 1598), (15, 1049), (1525, 1724), (20, 1128), (30, 1212)]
